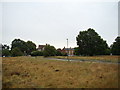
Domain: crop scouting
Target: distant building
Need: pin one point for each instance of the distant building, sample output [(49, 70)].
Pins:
[(41, 47), (69, 51)]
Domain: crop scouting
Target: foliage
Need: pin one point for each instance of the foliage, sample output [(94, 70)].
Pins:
[(22, 45), (16, 52), (25, 47), (0, 50), (77, 51), (49, 51), (37, 53), (90, 43), (107, 51), (115, 47), (58, 53), (5, 52), (5, 47), (64, 54), (31, 47)]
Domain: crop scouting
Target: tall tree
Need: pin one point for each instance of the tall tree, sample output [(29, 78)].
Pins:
[(31, 47), (115, 47), (90, 43), (22, 45)]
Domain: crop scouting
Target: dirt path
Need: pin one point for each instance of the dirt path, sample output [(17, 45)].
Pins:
[(81, 60)]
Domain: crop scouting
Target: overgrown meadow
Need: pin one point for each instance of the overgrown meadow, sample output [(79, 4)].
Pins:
[(39, 72)]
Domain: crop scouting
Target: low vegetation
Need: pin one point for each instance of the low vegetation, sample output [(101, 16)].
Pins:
[(39, 72)]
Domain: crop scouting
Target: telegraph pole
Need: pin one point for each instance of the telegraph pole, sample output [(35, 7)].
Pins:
[(67, 50)]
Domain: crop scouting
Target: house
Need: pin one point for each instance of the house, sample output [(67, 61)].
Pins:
[(41, 47), (69, 51)]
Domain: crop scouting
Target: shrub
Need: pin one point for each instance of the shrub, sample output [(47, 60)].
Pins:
[(37, 53), (58, 53), (16, 52), (49, 51)]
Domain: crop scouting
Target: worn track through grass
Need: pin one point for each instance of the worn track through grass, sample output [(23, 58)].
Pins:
[(30, 72), (102, 58)]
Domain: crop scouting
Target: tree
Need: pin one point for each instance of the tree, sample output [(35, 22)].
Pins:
[(5, 47), (37, 53), (115, 47), (5, 50), (5, 53), (49, 51), (22, 45), (90, 43), (25, 47), (31, 47), (16, 52), (58, 53), (77, 51), (0, 50)]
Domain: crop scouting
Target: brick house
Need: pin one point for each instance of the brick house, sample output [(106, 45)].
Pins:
[(69, 51)]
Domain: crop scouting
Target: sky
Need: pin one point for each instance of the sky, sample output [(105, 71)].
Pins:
[(53, 22)]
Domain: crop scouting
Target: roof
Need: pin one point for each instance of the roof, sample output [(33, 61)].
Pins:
[(41, 46), (68, 48)]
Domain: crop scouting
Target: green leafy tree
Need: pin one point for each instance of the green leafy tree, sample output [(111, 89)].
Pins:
[(58, 53), (16, 52), (31, 47), (5, 47), (5, 52), (0, 50), (25, 47), (37, 53), (49, 51), (22, 45), (77, 51), (90, 43), (115, 47)]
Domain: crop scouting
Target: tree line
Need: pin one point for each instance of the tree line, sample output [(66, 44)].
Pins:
[(89, 43), (22, 48)]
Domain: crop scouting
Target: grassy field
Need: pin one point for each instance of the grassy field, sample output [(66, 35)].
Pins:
[(103, 58), (31, 72)]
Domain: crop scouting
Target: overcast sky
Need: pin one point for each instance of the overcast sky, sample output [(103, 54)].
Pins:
[(54, 22)]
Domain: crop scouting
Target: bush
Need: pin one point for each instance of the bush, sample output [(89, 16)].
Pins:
[(36, 53), (16, 52), (49, 51), (64, 54), (58, 53)]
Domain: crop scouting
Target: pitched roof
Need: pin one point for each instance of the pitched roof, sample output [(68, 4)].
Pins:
[(41, 46)]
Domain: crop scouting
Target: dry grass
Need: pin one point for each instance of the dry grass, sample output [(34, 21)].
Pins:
[(29, 72), (104, 58)]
